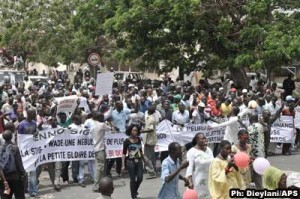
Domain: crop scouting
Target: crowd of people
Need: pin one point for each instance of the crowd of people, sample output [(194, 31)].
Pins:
[(136, 108)]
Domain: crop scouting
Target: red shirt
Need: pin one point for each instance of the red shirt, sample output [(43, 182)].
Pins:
[(287, 112)]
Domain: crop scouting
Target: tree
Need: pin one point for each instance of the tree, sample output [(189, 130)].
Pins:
[(224, 34), (42, 30)]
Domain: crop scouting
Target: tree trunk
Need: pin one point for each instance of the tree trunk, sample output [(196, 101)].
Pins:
[(239, 78)]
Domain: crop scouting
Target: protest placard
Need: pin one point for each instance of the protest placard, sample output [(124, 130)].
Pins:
[(63, 144), (282, 130), (66, 104), (51, 145), (83, 104), (104, 83)]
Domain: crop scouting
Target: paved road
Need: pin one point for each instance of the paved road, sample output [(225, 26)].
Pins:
[(149, 188)]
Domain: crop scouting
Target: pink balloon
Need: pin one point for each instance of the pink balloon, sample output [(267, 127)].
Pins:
[(190, 194), (241, 159), (260, 165)]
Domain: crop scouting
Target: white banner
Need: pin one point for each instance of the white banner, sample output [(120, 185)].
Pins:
[(51, 145), (282, 130), (66, 104), (62, 144), (104, 83)]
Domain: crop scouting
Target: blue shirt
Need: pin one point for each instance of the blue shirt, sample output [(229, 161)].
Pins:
[(119, 119), (169, 190), (26, 127)]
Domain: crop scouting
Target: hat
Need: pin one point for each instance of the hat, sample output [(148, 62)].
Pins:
[(233, 89), (131, 85), (182, 104), (250, 93), (293, 180), (289, 98), (201, 104), (244, 91), (252, 104), (177, 96), (221, 89)]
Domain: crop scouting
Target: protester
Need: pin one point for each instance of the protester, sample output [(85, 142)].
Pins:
[(170, 173), (223, 173), (12, 166), (106, 188), (274, 178), (119, 119), (267, 121), (134, 161), (150, 140), (98, 133), (257, 143), (242, 146), (288, 85), (144, 104), (29, 126), (199, 158)]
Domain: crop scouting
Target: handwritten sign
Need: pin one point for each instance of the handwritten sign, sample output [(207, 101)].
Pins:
[(104, 83)]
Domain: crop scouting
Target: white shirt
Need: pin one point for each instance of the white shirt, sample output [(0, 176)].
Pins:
[(181, 118), (232, 129), (136, 118), (98, 133), (269, 107), (253, 84), (197, 118)]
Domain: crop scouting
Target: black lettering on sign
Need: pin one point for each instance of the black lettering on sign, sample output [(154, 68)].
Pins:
[(36, 150), (109, 141), (43, 135), (85, 141), (161, 136), (77, 154), (24, 153), (80, 132), (118, 141), (91, 154)]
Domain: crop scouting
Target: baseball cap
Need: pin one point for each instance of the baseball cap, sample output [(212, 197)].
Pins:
[(177, 96), (244, 91), (201, 104), (293, 180), (233, 89), (289, 98)]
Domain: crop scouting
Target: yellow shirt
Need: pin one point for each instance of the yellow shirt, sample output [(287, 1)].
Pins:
[(226, 110), (219, 183)]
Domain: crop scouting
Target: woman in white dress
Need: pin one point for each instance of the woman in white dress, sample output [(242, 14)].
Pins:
[(199, 158)]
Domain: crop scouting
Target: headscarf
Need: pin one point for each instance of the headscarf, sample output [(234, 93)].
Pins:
[(271, 178)]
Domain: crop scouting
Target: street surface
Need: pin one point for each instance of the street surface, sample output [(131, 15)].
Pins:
[(149, 187)]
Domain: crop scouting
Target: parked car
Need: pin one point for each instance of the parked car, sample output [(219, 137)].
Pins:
[(14, 76), (125, 76), (35, 79)]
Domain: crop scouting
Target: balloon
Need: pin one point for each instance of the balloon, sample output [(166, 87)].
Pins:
[(190, 194), (260, 165), (241, 159)]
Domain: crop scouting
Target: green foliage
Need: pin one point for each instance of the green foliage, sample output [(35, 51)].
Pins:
[(42, 30), (191, 34)]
